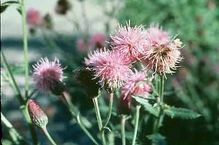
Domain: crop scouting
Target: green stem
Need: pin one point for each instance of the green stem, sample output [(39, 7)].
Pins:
[(99, 120), (14, 83), (48, 136), (30, 124), (136, 123), (110, 110), (15, 136), (85, 130), (25, 44), (123, 119), (158, 120), (72, 109)]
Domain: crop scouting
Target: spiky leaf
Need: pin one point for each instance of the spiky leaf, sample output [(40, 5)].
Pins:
[(147, 106), (183, 113)]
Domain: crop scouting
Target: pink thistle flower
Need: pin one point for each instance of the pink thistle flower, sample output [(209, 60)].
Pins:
[(34, 17), (37, 115), (109, 66), (98, 40), (156, 36), (129, 41), (161, 54), (47, 74), (136, 84)]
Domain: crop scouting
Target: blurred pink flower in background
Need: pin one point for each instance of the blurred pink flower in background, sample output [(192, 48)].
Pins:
[(97, 40), (81, 45), (47, 74), (129, 41), (109, 66), (34, 18)]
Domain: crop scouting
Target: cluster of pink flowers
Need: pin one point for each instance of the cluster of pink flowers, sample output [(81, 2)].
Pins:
[(115, 67), (153, 47)]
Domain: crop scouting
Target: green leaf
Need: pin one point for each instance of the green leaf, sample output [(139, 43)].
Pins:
[(183, 113), (147, 106)]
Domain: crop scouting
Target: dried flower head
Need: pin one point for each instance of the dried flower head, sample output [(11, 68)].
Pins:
[(38, 117), (129, 41), (34, 17), (109, 66), (136, 84), (47, 74), (161, 53)]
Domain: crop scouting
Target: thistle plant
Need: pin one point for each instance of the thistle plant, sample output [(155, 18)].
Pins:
[(130, 73)]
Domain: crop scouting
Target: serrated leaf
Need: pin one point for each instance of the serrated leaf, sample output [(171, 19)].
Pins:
[(147, 106), (183, 113)]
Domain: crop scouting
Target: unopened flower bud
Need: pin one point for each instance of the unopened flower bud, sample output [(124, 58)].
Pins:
[(37, 115)]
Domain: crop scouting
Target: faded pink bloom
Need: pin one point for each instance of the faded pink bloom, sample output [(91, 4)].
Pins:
[(47, 74), (129, 41), (109, 66), (98, 40), (37, 115), (136, 84), (161, 54), (82, 45), (34, 17)]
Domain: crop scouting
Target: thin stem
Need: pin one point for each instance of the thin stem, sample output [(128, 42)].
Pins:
[(85, 130), (123, 119), (25, 44), (99, 120), (138, 107), (30, 125), (16, 137), (67, 101), (17, 89), (110, 110), (158, 120), (48, 136)]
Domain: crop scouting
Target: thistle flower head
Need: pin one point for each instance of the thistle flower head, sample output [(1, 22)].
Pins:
[(34, 17), (157, 36), (109, 66), (161, 53), (136, 84), (47, 74), (129, 41), (38, 117)]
